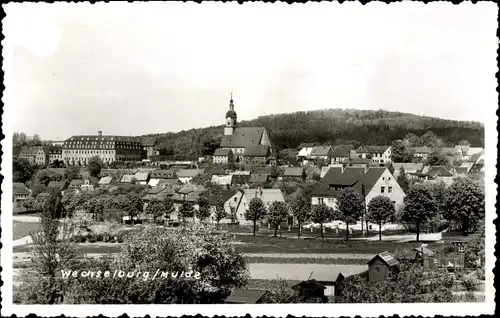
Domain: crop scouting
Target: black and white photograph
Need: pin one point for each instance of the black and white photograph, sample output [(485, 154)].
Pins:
[(218, 157)]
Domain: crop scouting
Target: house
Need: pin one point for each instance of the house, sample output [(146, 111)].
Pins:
[(105, 181), (440, 173), (267, 196), (380, 267), (56, 187), (256, 155), (161, 174), (20, 192), (472, 152), (369, 182), (342, 154), (159, 194), (239, 138), (359, 162), (128, 178), (35, 155), (464, 168), (75, 184), (165, 183), (148, 146), (246, 296), (87, 186), (229, 198), (186, 175), (422, 152), (258, 178), (311, 288), (223, 156), (55, 153), (294, 173), (223, 180), (142, 177), (408, 167), (378, 154), (324, 170), (240, 179), (322, 153), (305, 150)]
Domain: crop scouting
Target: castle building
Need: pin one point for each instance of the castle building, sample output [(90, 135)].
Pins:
[(237, 139)]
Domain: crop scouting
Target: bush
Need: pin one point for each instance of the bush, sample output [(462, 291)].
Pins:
[(469, 283), (480, 274)]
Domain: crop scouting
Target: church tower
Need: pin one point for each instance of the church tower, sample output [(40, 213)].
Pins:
[(230, 119)]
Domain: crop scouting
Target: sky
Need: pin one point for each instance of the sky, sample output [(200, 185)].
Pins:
[(133, 69)]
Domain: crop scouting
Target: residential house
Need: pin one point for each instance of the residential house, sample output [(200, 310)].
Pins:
[(472, 152), (247, 296), (105, 181), (294, 173), (342, 154), (305, 150), (56, 187), (223, 156), (87, 186), (240, 179), (359, 162), (159, 194), (422, 152), (35, 155), (148, 146), (224, 180), (142, 177), (258, 178), (19, 192), (75, 185), (322, 153), (165, 183), (128, 178), (478, 165), (256, 155), (378, 154), (55, 153), (440, 173), (408, 167), (161, 174), (186, 175), (464, 168), (230, 199), (268, 196), (324, 170), (376, 181), (188, 193), (311, 289), (381, 266)]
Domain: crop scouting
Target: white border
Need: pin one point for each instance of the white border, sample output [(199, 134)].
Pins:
[(427, 309)]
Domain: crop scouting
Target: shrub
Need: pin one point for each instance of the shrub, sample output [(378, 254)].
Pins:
[(469, 283), (480, 274)]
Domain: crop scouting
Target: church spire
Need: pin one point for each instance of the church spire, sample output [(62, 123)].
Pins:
[(231, 103)]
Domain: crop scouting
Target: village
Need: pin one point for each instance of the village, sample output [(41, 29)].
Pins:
[(309, 218)]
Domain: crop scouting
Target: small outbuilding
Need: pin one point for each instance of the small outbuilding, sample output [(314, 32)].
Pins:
[(246, 296), (380, 266)]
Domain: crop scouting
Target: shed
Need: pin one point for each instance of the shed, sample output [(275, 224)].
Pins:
[(425, 256), (380, 266), (310, 289), (246, 296)]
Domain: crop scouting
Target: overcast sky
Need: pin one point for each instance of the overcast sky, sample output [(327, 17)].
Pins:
[(132, 69)]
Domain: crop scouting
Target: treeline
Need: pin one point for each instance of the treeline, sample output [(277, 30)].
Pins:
[(331, 126), (23, 140)]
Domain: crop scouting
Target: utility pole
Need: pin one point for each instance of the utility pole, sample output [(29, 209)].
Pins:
[(363, 194)]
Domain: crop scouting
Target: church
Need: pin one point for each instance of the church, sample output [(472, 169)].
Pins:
[(247, 144)]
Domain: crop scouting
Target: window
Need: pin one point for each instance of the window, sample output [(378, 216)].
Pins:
[(321, 201), (389, 189), (382, 189), (235, 199)]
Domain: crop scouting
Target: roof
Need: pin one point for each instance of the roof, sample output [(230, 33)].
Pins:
[(106, 180), (372, 149), (267, 195), (259, 178), (76, 183), (166, 182), (324, 170), (162, 174), (310, 284), (424, 250), (462, 170), (256, 151), (245, 296), (240, 179), (148, 141), (439, 171), (213, 197), (241, 172), (423, 150), (55, 150), (261, 170), (127, 178), (141, 176), (351, 177), (408, 166), (103, 138), (222, 180), (243, 137), (306, 145), (31, 151), (160, 194), (189, 173), (293, 172), (56, 184), (19, 188), (222, 152), (386, 257), (321, 151), (342, 151)]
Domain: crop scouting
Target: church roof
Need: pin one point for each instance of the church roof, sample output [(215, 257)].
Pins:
[(231, 113), (243, 137)]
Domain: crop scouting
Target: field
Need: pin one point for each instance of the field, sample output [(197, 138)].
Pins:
[(22, 229)]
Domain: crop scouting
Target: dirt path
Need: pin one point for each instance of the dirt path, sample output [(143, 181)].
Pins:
[(311, 255)]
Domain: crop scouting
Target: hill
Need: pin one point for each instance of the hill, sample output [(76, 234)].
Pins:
[(333, 126)]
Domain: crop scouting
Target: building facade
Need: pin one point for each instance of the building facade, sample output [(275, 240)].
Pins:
[(78, 150), (35, 155), (55, 153)]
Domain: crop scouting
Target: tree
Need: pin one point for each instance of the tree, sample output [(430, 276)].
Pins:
[(464, 203), (22, 171), (42, 200), (322, 214), (437, 158), (44, 177), (401, 152), (420, 206), (278, 213), (186, 210), (203, 208), (351, 207), (220, 212), (95, 166), (464, 143), (132, 205), (402, 179), (95, 206), (256, 211), (29, 204), (380, 210), (301, 208), (72, 172), (168, 204), (156, 208)]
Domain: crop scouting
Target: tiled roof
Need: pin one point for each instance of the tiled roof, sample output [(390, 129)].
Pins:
[(222, 152), (293, 172), (310, 284), (321, 151), (31, 151), (243, 137), (462, 170), (106, 180), (439, 171), (386, 257), (259, 178), (424, 250), (268, 196), (127, 178), (141, 176), (222, 180), (372, 149), (55, 150), (409, 167), (240, 179), (148, 141), (256, 151), (76, 183), (104, 138), (423, 150), (359, 161), (213, 197), (324, 170), (189, 173), (19, 188), (245, 296), (341, 151), (350, 177), (163, 174), (449, 151), (160, 194)]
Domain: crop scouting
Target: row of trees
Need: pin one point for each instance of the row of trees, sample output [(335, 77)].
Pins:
[(22, 140)]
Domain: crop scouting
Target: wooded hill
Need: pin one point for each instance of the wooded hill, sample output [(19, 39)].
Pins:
[(330, 126)]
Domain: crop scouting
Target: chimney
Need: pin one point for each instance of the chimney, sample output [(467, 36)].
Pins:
[(99, 133)]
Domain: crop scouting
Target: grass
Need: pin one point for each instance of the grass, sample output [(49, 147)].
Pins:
[(305, 260), (265, 284), (22, 229)]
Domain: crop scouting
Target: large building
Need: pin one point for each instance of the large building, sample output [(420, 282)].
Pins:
[(77, 150), (237, 139), (35, 155)]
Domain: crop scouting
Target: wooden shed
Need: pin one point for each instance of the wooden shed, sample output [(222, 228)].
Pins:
[(309, 289), (380, 266), (246, 296)]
